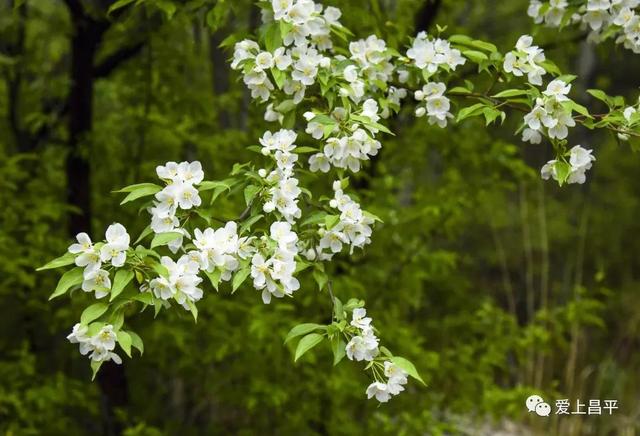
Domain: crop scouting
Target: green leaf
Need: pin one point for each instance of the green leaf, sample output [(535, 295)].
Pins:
[(239, 277), (146, 232), (136, 187), (307, 343), (212, 184), (470, 111), (70, 278), (250, 192), (143, 191), (193, 309), (279, 77), (214, 277), (124, 339), (490, 114), (251, 221), (475, 56), (458, 90), (93, 312), (320, 277), (272, 37), (338, 309), (303, 329), (136, 341), (167, 7), (120, 281), (460, 39), (306, 150), (285, 28), (289, 120), (563, 170), (286, 106), (572, 105), (160, 269), (338, 346), (95, 367), (144, 297), (324, 120), (330, 221), (315, 218), (483, 45), (407, 366), (551, 67), (164, 238), (511, 93), (64, 260), (118, 5)]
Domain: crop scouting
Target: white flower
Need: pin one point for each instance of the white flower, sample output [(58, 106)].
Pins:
[(281, 59), (350, 73), (558, 89), (88, 257), (190, 173), (97, 281), (359, 319), (581, 157), (264, 61), (84, 244), (78, 334), (532, 136), (627, 113), (362, 347), (102, 345), (319, 162), (281, 233), (380, 391), (168, 171), (526, 59), (117, 243)]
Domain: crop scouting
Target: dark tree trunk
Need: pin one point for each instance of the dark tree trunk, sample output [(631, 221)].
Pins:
[(219, 75), (87, 36)]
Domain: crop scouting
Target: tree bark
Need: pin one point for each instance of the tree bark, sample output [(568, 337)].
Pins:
[(85, 41)]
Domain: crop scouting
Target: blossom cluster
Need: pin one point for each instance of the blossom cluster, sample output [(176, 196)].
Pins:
[(349, 150), (220, 249), (550, 114), (372, 62), (430, 54), (181, 282), (284, 191), (396, 379), (352, 91), (99, 346), (433, 103), (295, 65), (580, 160), (603, 18), (364, 345), (272, 269), (94, 257), (309, 23), (180, 193), (526, 59)]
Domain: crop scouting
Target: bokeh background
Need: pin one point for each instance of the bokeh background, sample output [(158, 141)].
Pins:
[(495, 284)]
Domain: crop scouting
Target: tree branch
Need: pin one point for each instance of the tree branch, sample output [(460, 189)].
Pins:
[(115, 59)]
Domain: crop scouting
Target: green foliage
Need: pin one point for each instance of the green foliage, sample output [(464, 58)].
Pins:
[(482, 277)]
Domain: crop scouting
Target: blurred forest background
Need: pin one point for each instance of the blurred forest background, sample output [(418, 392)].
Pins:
[(495, 284)]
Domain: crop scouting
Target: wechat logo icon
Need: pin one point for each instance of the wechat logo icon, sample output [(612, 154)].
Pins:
[(536, 404)]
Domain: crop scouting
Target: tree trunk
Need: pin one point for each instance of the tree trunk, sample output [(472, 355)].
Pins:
[(87, 36)]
